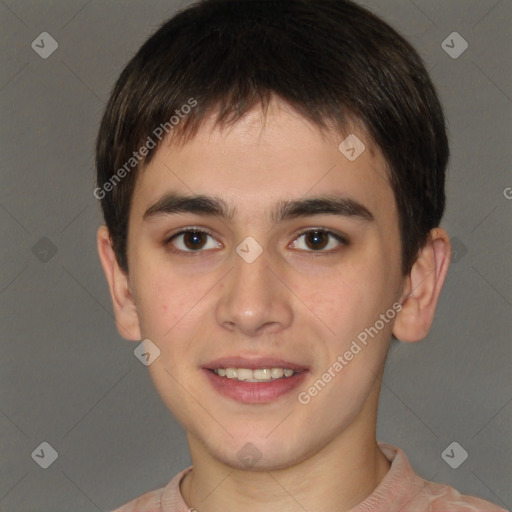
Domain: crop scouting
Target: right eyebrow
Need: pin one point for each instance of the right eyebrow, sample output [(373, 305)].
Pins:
[(200, 205)]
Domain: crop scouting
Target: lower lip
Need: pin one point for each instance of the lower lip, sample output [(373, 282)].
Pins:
[(255, 392)]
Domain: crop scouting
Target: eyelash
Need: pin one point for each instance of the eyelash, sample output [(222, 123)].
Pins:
[(203, 231)]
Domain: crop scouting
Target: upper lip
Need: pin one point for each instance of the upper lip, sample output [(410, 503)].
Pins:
[(253, 363)]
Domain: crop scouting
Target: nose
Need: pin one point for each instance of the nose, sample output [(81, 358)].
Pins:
[(253, 300)]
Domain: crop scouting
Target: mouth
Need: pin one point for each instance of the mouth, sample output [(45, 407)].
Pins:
[(254, 381)]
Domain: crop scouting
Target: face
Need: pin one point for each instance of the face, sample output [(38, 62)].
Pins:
[(293, 252)]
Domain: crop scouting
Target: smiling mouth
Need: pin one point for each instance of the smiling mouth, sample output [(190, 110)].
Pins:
[(256, 375)]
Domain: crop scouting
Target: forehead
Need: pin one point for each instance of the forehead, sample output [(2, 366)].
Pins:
[(265, 158)]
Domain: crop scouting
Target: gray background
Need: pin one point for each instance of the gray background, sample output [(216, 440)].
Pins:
[(68, 378)]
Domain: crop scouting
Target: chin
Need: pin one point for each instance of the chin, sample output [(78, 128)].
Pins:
[(258, 453)]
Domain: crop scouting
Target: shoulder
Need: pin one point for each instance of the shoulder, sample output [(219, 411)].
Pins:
[(405, 491), (165, 499), (148, 502), (443, 498)]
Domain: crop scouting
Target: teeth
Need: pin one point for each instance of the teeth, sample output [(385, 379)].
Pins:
[(243, 374), (264, 374), (258, 375), (276, 372), (231, 373)]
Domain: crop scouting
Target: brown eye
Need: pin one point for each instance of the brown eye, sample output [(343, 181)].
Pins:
[(316, 240), (191, 241), (194, 240)]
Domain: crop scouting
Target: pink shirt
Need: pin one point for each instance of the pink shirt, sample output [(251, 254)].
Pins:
[(401, 490)]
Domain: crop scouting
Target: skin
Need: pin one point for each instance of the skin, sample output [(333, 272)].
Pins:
[(292, 302)]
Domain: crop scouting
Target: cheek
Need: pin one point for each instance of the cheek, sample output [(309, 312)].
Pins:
[(162, 302), (349, 300), (346, 294), (378, 272)]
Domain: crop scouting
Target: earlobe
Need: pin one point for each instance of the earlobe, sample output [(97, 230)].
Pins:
[(125, 312), (423, 288)]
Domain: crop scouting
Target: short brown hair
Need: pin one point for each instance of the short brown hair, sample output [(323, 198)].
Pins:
[(332, 61)]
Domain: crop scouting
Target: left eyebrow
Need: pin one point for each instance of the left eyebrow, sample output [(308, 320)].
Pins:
[(284, 210), (323, 205)]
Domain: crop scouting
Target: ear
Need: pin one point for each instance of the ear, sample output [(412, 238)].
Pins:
[(423, 287), (125, 311)]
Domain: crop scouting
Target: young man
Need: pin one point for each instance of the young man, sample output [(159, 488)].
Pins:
[(272, 180)]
